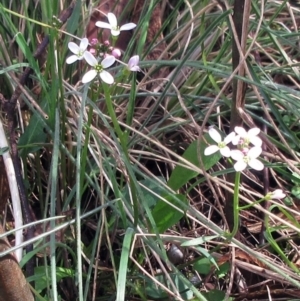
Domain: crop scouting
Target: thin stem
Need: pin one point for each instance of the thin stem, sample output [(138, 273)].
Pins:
[(236, 205)]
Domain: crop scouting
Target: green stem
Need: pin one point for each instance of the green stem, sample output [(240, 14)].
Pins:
[(236, 205), (123, 140), (113, 116)]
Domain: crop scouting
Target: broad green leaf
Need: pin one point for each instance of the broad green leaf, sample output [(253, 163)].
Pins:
[(40, 280), (215, 295), (181, 175), (202, 266), (34, 135), (165, 215), (208, 255), (223, 269)]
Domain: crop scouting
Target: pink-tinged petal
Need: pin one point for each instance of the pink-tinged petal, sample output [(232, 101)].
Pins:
[(240, 131), (215, 135), (225, 151), (73, 47), (256, 164), (211, 150), (112, 19), (254, 152), (256, 141), (236, 155), (229, 138), (89, 76), (116, 52), (84, 43), (108, 61), (115, 32), (240, 165), (133, 61), (135, 69), (103, 25), (106, 77), (278, 194), (71, 59), (90, 59), (127, 26)]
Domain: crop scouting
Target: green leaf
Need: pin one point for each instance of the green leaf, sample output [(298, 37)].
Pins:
[(41, 280), (3, 150), (296, 192), (198, 241), (181, 175), (223, 270), (202, 266), (122, 278), (165, 215), (34, 135), (156, 292), (214, 295)]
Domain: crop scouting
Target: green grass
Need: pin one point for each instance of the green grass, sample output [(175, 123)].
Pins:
[(125, 164)]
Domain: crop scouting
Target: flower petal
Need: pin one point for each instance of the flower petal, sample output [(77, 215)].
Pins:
[(256, 141), (71, 59), (225, 151), (89, 76), (235, 140), (135, 69), (108, 61), (240, 131), (211, 150), (253, 132), (106, 77), (73, 47), (90, 59), (133, 61), (103, 25), (254, 152), (256, 164), (278, 194), (240, 165), (84, 43), (127, 26), (229, 138), (215, 135), (236, 155), (112, 19), (115, 32)]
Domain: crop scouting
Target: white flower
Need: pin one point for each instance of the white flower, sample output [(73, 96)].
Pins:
[(222, 145), (133, 63), (249, 158), (276, 194), (245, 138), (79, 51), (113, 25), (98, 69)]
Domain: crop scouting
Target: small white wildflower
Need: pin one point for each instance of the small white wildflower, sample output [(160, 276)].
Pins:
[(247, 158), (98, 69), (133, 64), (79, 51), (245, 138), (113, 25), (277, 194), (221, 145)]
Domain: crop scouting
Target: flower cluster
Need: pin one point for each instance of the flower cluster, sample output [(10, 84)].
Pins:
[(248, 147), (102, 56)]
